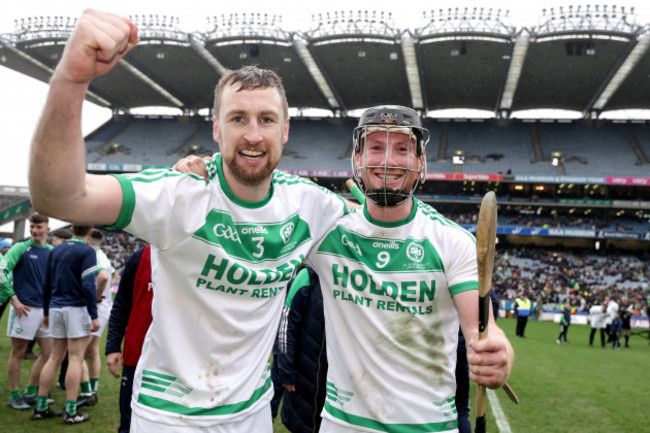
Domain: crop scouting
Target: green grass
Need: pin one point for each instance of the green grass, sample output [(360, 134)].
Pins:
[(562, 388)]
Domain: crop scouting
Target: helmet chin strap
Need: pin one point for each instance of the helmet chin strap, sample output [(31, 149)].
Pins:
[(386, 197)]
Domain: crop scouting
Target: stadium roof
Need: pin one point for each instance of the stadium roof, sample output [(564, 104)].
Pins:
[(588, 60)]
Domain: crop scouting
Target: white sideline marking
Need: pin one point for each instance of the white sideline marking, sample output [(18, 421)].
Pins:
[(499, 416)]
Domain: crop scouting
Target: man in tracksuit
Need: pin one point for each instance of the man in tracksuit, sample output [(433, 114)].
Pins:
[(302, 360), (129, 321), (70, 311), (26, 262)]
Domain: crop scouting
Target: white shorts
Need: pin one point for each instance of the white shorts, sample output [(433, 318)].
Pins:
[(27, 327), (103, 313), (259, 422), (70, 322)]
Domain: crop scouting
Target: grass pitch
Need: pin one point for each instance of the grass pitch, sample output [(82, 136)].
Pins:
[(562, 388)]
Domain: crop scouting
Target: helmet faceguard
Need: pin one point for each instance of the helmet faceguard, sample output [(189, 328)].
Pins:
[(390, 119)]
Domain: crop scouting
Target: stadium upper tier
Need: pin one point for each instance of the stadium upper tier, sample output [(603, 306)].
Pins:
[(589, 60), (516, 148)]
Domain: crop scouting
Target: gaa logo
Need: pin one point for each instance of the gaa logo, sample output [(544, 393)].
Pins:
[(348, 243), (415, 252), (221, 231), (286, 231)]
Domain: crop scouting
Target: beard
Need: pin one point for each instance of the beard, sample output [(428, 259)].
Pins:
[(250, 177)]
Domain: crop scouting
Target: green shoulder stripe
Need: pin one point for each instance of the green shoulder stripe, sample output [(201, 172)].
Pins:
[(434, 215), (281, 177)]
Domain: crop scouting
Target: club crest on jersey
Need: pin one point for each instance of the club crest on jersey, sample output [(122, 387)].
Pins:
[(415, 252), (286, 231), (222, 231), (348, 243)]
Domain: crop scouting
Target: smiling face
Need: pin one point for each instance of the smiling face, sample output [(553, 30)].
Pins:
[(38, 232), (251, 129), (388, 159)]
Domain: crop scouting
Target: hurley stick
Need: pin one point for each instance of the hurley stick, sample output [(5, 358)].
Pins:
[(486, 233), (356, 192)]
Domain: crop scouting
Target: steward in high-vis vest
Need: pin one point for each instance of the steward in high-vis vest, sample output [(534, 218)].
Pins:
[(523, 307)]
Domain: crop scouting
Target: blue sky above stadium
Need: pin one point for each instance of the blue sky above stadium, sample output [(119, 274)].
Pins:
[(22, 97)]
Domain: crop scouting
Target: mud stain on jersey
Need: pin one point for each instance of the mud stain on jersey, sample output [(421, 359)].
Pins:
[(420, 339), (381, 405)]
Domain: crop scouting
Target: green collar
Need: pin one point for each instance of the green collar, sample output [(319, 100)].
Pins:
[(34, 244), (226, 189), (387, 224)]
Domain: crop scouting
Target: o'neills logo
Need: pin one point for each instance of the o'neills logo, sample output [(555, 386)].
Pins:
[(415, 252), (392, 245), (259, 230), (286, 231)]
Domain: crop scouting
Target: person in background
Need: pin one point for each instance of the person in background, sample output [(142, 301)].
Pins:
[(626, 309), (616, 327), (129, 321), (612, 308), (523, 307), (70, 312), (565, 322), (90, 375), (59, 236), (27, 261), (5, 246), (598, 320), (302, 358)]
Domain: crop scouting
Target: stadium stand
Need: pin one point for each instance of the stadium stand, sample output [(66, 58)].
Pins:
[(318, 143), (315, 143), (602, 150)]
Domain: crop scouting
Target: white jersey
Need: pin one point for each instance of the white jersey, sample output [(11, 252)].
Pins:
[(220, 267), (103, 262), (597, 317), (391, 326), (612, 308)]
